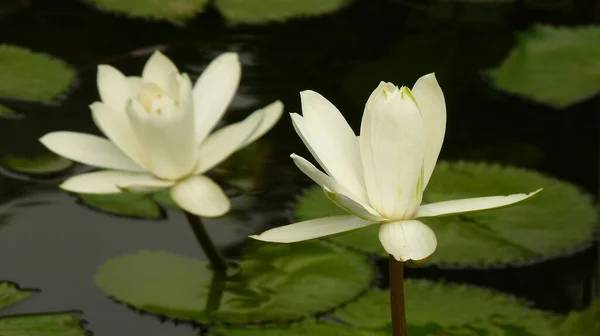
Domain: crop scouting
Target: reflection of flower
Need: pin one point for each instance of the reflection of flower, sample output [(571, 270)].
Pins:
[(380, 176), (159, 129)]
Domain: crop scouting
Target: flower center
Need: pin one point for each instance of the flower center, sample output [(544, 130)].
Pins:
[(154, 99)]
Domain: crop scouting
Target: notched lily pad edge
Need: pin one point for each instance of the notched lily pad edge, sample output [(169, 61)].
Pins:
[(568, 252)]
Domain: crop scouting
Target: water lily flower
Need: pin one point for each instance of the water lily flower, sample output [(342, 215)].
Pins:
[(159, 133), (379, 177)]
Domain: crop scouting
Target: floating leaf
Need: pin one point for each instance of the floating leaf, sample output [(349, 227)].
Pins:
[(45, 164), (274, 282), (10, 294), (32, 76), (6, 111), (311, 328), (556, 66), (163, 197), (446, 309), (584, 323), (559, 219), (259, 11), (172, 10), (123, 204), (51, 324)]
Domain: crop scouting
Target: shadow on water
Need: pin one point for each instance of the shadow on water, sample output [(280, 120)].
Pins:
[(48, 241)]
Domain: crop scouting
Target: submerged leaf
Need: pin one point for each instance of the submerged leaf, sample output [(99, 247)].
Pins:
[(526, 232), (274, 282), (260, 11), (556, 66)]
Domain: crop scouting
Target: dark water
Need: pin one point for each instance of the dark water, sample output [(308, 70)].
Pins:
[(52, 243)]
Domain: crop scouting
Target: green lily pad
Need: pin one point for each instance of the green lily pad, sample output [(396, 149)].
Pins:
[(446, 309), (45, 164), (170, 10), (556, 66), (274, 282), (50, 324), (123, 204), (311, 327), (32, 76), (6, 111), (260, 11), (560, 219), (10, 294), (584, 323)]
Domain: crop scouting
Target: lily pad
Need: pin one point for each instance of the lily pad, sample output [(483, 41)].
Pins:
[(260, 11), (45, 164), (274, 282), (556, 66), (584, 323), (446, 309), (49, 324), (560, 219), (123, 204), (312, 328), (31, 75), (171, 10)]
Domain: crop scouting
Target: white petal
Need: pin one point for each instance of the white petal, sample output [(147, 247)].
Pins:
[(166, 137), (214, 90), (135, 84), (392, 143), (311, 229), (115, 125), (114, 88), (333, 141), (158, 69), (90, 150), (318, 176), (111, 182), (201, 196), (356, 208), (408, 240), (225, 141), (271, 114), (432, 105), (471, 204)]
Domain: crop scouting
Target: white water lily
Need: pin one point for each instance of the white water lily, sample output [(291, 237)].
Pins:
[(159, 133), (379, 177)]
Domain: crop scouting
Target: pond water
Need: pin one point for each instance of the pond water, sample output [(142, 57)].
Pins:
[(51, 242)]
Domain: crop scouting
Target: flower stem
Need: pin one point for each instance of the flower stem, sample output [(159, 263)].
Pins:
[(397, 297), (217, 261)]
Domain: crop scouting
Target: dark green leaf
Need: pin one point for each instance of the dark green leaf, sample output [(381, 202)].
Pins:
[(260, 11), (584, 323), (556, 66), (274, 282), (45, 164), (10, 294), (172, 10), (123, 204)]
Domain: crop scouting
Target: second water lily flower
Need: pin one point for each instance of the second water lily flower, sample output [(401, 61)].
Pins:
[(159, 133), (379, 177)]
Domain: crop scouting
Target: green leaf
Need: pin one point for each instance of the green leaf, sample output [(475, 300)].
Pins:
[(260, 11), (446, 309), (523, 233), (45, 164), (310, 328), (52, 324), (6, 111), (556, 66), (274, 282), (32, 76), (163, 197), (171, 10), (584, 323), (123, 204), (10, 294)]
